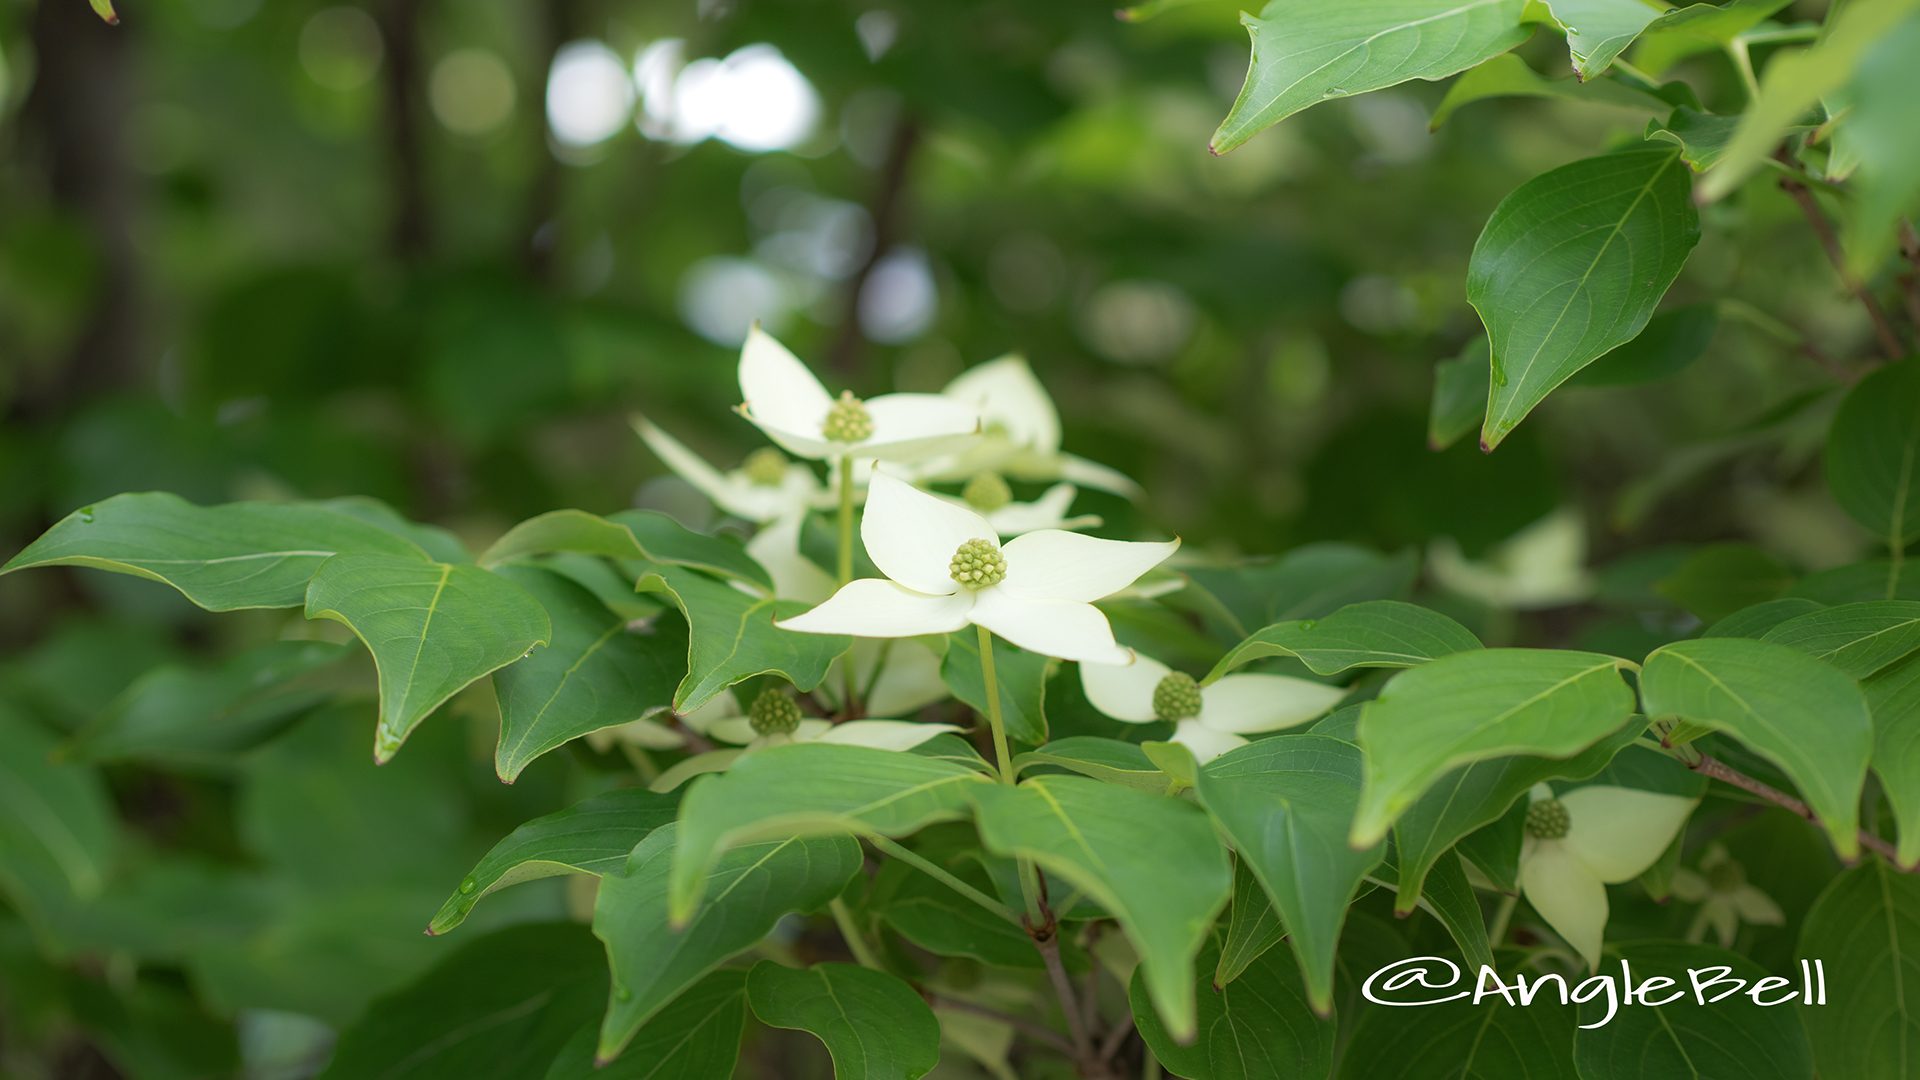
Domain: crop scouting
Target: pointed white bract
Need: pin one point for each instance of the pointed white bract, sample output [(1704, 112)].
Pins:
[(735, 490), (1043, 604), (1049, 511), (723, 720), (1021, 437), (1612, 835), (784, 400), (1541, 566), (1228, 709)]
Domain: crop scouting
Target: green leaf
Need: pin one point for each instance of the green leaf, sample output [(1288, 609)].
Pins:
[(223, 558), (1701, 137), (1306, 52), (104, 9), (439, 544), (1881, 109), (57, 828), (1697, 28), (1597, 30), (1256, 1027), (643, 535), (1459, 391), (1449, 895), (1370, 634), (1109, 760), (1859, 639), (695, 1038), (432, 628), (1873, 454), (1153, 862), (1893, 697), (1253, 926), (1286, 804), (875, 1026), (205, 715), (1755, 620), (594, 836), (1473, 706), (1875, 579), (596, 674), (1866, 927), (1486, 1041), (1476, 795), (1307, 582), (1720, 579), (1509, 76), (1571, 266), (498, 1008), (1022, 677), (1793, 84), (1739, 1037), (752, 886), (1672, 340), (732, 637), (936, 918), (810, 789), (1802, 714)]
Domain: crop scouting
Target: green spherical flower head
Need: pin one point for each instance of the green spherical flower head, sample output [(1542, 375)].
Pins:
[(774, 712), (1548, 819), (765, 467), (848, 421), (987, 492), (1177, 697), (1725, 876), (978, 564)]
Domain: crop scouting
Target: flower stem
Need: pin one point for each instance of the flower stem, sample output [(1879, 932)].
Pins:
[(856, 941), (1501, 917), (846, 519), (1038, 922), (936, 872)]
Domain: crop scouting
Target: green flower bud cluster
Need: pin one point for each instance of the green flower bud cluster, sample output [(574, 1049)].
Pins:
[(1177, 697), (774, 712), (765, 467), (987, 492), (978, 564), (1548, 819), (848, 421)]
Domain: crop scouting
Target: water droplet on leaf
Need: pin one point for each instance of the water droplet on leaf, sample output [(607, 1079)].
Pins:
[(467, 886), (86, 514)]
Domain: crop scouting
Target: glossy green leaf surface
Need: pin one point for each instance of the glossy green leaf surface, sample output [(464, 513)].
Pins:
[(1571, 266), (1258, 1025), (432, 628), (1803, 714), (1370, 634), (874, 1026), (642, 535), (732, 636)]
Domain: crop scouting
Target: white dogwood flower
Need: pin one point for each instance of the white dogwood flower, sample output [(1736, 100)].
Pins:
[(785, 400), (1542, 566), (944, 569), (775, 720), (1725, 896), (988, 494), (768, 485), (1022, 434), (1208, 720), (1579, 843)]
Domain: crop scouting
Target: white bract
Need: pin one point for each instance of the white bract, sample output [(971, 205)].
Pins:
[(1541, 566), (1725, 896), (1022, 433), (722, 720), (1579, 843), (765, 487), (944, 570), (785, 400), (1209, 720), (988, 495)]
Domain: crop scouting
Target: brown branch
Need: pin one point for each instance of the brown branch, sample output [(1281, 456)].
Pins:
[(887, 211), (1037, 1032), (1116, 1038), (400, 27), (1711, 766), (1830, 243)]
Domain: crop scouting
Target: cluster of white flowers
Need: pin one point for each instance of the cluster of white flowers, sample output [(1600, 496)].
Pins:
[(985, 559)]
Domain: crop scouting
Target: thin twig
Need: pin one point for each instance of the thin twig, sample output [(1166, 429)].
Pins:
[(1116, 1038), (1049, 946), (1090, 985), (1830, 243), (886, 209), (1037, 1032), (1708, 765)]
